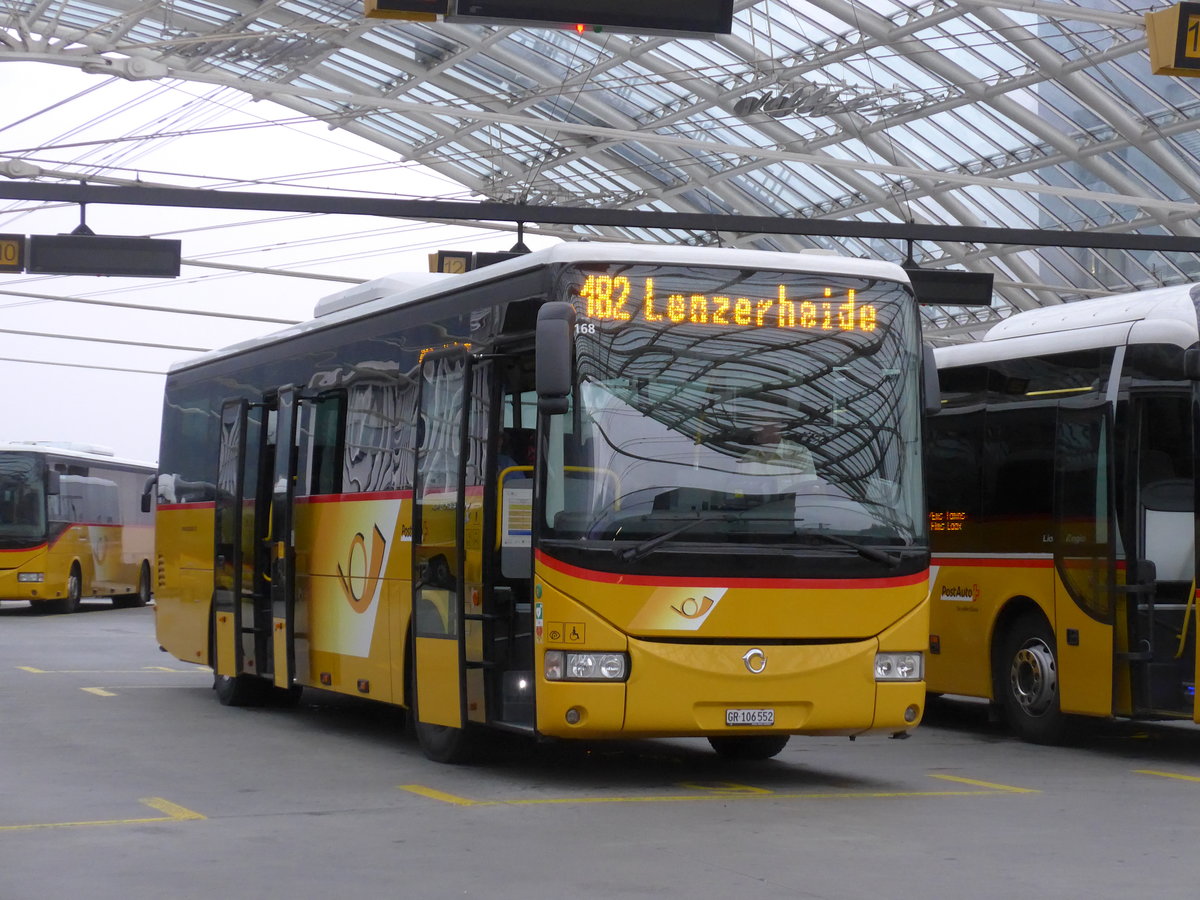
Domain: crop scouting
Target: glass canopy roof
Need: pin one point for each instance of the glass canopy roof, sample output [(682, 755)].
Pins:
[(1023, 114)]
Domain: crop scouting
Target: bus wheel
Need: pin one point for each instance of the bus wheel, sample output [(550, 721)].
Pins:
[(445, 744), (1028, 682), (70, 603), (242, 690), (763, 746), (142, 597)]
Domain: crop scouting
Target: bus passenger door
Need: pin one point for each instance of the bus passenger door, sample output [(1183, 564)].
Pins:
[(281, 540), (229, 653), (439, 539), (1084, 559)]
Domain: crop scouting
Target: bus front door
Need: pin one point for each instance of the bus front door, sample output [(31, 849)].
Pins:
[(439, 543), (282, 540), (1084, 559), (254, 599), (230, 635)]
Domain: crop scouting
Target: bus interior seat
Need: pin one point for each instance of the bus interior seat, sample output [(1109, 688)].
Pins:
[(1167, 520)]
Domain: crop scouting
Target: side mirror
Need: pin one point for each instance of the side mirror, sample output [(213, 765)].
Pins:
[(1191, 364), (555, 337), (932, 387), (53, 482)]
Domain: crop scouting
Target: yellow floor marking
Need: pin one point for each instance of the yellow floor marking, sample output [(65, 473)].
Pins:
[(1166, 774), (1006, 788), (730, 791), (725, 788), (32, 669), (99, 692), (439, 795), (175, 813)]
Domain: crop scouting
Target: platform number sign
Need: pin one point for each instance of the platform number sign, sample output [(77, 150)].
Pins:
[(12, 253), (1173, 35)]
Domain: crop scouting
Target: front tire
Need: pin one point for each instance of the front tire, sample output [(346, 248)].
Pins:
[(69, 603), (755, 747), (1027, 682), (242, 690)]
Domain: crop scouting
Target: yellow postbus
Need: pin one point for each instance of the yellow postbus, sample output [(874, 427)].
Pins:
[(1061, 484), (598, 491), (74, 523)]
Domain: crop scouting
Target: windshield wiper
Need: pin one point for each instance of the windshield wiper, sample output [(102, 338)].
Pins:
[(637, 551), (875, 554)]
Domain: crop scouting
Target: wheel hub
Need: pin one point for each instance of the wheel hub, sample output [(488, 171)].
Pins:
[(1034, 677)]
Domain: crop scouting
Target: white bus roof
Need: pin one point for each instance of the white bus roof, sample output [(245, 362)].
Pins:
[(393, 291), (1161, 315), (66, 450)]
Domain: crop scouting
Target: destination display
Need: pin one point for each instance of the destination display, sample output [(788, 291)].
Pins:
[(639, 299)]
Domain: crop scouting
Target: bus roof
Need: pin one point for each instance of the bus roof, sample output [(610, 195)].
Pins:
[(81, 452), (392, 291), (1158, 315)]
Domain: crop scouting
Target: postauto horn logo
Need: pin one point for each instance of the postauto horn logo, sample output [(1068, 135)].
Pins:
[(360, 579)]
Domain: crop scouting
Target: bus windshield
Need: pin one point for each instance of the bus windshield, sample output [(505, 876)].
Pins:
[(22, 500), (739, 407)]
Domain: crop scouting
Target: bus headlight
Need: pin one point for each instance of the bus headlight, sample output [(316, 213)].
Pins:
[(562, 666), (899, 666), (31, 577)]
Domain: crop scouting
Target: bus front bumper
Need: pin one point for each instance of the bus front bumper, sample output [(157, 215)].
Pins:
[(689, 689)]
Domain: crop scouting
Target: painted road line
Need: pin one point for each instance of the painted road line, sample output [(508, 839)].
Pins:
[(991, 786), (729, 791), (1174, 775), (99, 692), (442, 796), (174, 813)]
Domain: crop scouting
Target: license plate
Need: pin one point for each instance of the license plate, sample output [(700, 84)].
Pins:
[(749, 717)]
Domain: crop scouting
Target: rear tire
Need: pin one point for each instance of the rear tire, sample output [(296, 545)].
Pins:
[(755, 747), (142, 597), (1027, 682)]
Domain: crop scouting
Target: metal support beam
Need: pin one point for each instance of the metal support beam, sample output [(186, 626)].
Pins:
[(426, 210)]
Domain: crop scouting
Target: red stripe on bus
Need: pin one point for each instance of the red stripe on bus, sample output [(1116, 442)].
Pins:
[(995, 562), (352, 498), (675, 581), (41, 546), (203, 504)]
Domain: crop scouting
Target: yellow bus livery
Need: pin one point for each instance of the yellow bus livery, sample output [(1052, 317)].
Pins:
[(72, 525), (514, 499)]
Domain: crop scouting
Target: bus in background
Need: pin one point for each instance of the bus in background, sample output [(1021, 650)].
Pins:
[(1062, 506), (73, 525), (598, 491)]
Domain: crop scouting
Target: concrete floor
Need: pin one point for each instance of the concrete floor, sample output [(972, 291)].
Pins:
[(122, 777)]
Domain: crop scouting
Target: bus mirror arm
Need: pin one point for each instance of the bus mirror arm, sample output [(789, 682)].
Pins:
[(147, 491), (555, 343), (933, 389)]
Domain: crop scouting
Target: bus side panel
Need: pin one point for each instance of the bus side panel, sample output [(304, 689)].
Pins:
[(967, 599), (354, 565), (183, 593), (1085, 658)]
